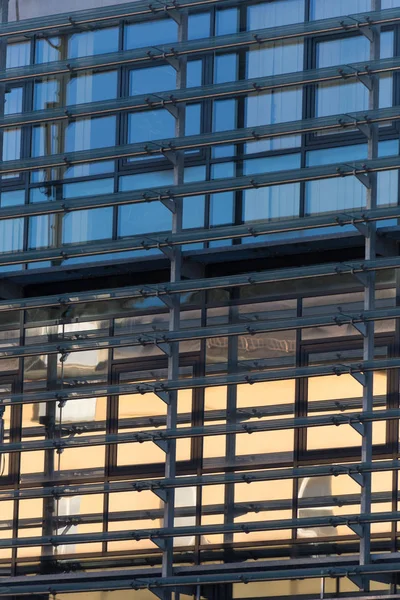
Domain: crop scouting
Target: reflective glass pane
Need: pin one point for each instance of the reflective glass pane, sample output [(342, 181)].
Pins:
[(150, 125), (13, 101), (225, 68), (138, 35), (154, 79), (92, 87), (18, 55), (88, 134), (87, 225), (277, 12), (12, 144), (89, 43), (322, 9), (199, 26), (11, 235), (226, 21), (49, 49), (46, 94)]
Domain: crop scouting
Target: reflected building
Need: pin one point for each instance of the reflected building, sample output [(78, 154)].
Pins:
[(199, 299)]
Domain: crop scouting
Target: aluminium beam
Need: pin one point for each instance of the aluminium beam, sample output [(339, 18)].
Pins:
[(106, 16), (249, 328), (134, 580), (172, 98), (193, 285), (103, 16), (152, 485), (169, 434), (165, 533), (247, 182), (329, 123)]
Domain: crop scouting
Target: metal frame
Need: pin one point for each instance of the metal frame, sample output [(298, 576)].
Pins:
[(375, 256)]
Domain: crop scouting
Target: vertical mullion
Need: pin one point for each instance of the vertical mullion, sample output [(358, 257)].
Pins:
[(369, 301), (174, 315)]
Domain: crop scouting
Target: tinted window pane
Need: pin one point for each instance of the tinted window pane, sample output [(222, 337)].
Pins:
[(92, 88), (13, 101), (224, 115), (322, 9), (193, 119), (271, 202), (89, 43), (88, 134), (148, 217), (274, 59), (199, 26), (194, 73), (12, 144), (11, 235), (87, 225), (46, 94), (139, 35), (13, 198), (222, 208), (48, 49), (41, 231), (154, 79), (225, 68), (143, 180), (226, 21), (88, 188), (18, 55), (46, 139), (150, 125), (277, 12)]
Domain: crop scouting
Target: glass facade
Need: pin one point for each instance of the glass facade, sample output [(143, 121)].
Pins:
[(199, 299)]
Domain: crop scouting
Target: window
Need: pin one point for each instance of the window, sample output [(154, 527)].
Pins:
[(92, 87), (150, 33), (224, 115), (323, 9), (46, 94), (345, 97), (12, 144), (88, 134), (48, 49), (225, 69), (150, 125), (226, 21), (90, 43), (199, 26), (13, 101), (87, 225), (18, 55), (153, 79), (11, 235), (275, 12)]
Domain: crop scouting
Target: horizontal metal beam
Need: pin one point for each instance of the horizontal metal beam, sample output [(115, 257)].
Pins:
[(162, 99), (251, 328), (102, 16), (162, 435), (160, 387), (152, 485), (106, 16), (165, 240), (131, 579), (197, 530), (195, 285), (240, 509)]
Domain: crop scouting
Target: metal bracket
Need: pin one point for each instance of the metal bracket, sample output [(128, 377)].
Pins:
[(173, 110), (358, 478), (164, 347), (171, 155), (361, 328), (163, 444), (360, 377), (164, 396), (357, 580), (365, 129), (368, 32), (357, 529), (169, 203), (158, 542), (162, 494), (366, 80), (364, 178), (357, 426)]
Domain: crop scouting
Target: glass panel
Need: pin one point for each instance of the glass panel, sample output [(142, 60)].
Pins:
[(13, 101), (88, 134), (322, 9), (49, 49), (225, 68), (12, 144), (18, 55), (92, 87), (11, 235), (89, 43), (87, 225), (199, 26), (277, 12), (150, 33), (226, 21), (153, 79), (150, 125)]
